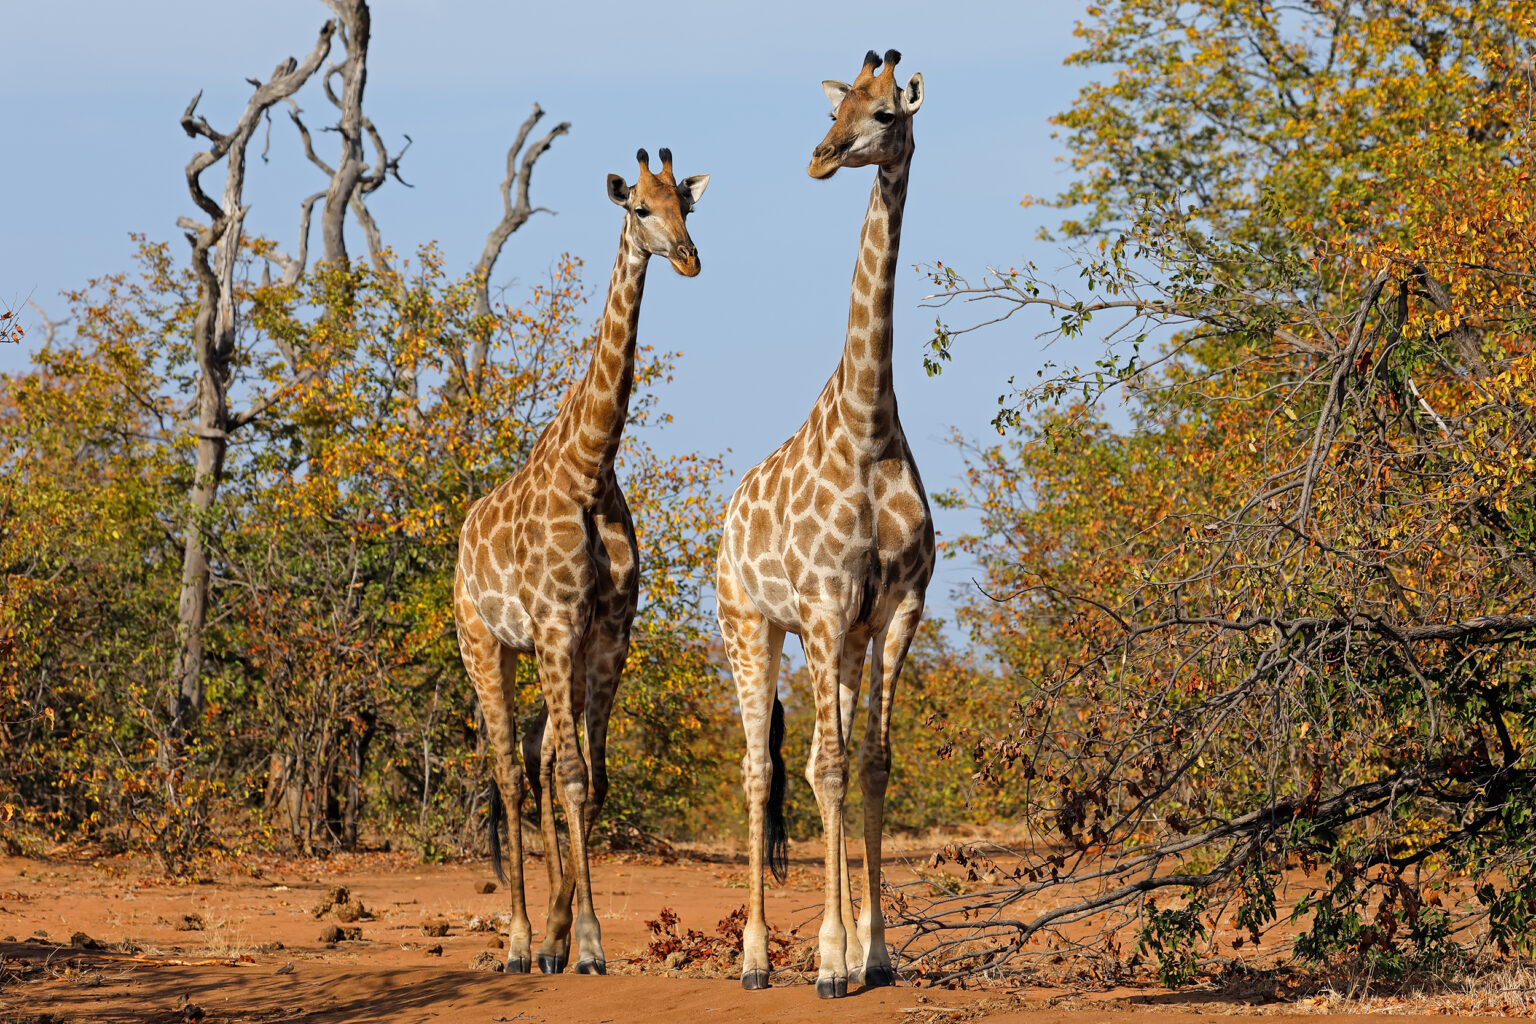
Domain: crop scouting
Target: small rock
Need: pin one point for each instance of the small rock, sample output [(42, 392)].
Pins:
[(80, 940), (436, 950), (192, 1012), (349, 912), (287, 968), (332, 933), (486, 888), (269, 947), (189, 923), (497, 942), (435, 929), (487, 961)]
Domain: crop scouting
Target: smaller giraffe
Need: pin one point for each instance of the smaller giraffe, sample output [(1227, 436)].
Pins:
[(830, 538), (548, 566)]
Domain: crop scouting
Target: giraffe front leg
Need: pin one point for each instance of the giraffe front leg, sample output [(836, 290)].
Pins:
[(829, 781), (874, 774), (492, 668), (853, 951), (850, 677), (539, 750), (753, 648), (561, 675), (604, 665)]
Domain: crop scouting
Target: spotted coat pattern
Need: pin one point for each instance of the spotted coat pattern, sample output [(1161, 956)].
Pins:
[(830, 538), (548, 566)]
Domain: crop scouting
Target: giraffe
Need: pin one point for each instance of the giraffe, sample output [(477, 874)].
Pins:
[(830, 538), (548, 566)]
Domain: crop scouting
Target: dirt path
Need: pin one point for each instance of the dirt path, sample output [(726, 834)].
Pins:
[(259, 954)]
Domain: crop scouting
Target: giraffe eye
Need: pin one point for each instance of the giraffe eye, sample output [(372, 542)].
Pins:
[(884, 116), (641, 211)]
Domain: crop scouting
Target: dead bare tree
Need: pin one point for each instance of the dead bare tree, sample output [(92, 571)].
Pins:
[(215, 252)]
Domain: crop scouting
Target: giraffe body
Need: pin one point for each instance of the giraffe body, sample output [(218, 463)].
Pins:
[(548, 566), (830, 538)]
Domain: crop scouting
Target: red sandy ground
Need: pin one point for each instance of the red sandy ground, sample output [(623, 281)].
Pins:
[(229, 970)]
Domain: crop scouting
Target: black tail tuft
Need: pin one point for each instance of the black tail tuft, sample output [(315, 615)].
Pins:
[(778, 834), (493, 824)]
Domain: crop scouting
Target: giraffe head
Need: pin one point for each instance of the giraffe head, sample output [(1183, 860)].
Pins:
[(871, 119), (657, 208)]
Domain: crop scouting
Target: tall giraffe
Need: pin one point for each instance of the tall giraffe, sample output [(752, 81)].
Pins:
[(830, 538), (548, 566)]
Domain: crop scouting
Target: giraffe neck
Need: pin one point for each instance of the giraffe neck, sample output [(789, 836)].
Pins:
[(865, 391), (600, 401)]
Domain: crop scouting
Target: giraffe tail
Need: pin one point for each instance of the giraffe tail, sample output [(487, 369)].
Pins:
[(778, 833), (493, 824)]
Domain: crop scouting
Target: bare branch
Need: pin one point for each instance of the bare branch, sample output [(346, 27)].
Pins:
[(293, 266), (355, 22), (50, 327), (515, 213)]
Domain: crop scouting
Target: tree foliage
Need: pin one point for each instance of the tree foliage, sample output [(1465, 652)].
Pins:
[(336, 703), (1280, 611)]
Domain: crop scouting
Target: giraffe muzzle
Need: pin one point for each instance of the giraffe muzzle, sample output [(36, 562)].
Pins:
[(685, 260), (827, 158)]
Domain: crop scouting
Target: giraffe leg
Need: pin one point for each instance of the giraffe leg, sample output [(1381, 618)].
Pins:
[(539, 762), (874, 772), (604, 665), (539, 755), (829, 780), (563, 682), (753, 647), (492, 668), (850, 677)]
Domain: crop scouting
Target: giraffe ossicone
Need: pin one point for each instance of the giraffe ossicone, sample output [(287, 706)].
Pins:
[(830, 538), (548, 566)]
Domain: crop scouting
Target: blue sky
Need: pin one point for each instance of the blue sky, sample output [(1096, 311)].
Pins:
[(94, 151)]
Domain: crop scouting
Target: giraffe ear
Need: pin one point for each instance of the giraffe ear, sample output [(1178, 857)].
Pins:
[(617, 190), (835, 91), (912, 95), (694, 187)]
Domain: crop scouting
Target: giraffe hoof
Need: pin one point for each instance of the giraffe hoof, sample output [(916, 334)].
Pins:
[(591, 967), (551, 964), (518, 965), (878, 977), (831, 988), (754, 980)]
